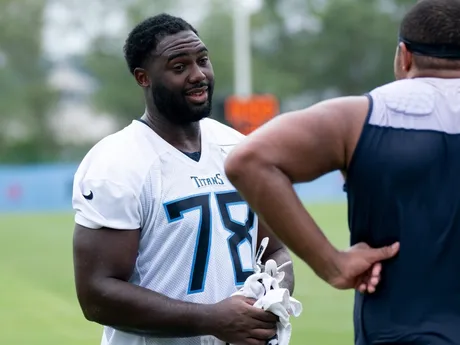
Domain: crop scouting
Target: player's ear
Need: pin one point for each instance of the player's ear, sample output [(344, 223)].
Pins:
[(406, 57), (142, 77)]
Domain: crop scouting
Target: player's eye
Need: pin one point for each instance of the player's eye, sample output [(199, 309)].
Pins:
[(179, 67), (203, 61)]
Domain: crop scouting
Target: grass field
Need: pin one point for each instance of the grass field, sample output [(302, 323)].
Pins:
[(38, 305)]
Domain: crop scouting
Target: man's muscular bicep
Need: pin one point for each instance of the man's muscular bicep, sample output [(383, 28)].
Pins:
[(304, 144), (102, 253)]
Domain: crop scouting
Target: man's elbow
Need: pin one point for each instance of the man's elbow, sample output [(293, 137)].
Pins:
[(234, 164), (241, 162), (90, 312), (89, 300)]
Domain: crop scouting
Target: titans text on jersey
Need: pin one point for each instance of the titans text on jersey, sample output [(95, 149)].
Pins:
[(202, 181)]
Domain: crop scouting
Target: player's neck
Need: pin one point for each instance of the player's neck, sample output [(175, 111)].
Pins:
[(445, 74), (185, 137)]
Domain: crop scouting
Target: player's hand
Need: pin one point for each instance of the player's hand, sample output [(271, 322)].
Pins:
[(360, 266), (236, 321), (369, 280)]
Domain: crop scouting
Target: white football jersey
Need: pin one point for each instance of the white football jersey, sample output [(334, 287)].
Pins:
[(198, 236)]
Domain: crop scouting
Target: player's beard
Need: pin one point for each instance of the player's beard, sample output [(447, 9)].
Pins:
[(175, 108)]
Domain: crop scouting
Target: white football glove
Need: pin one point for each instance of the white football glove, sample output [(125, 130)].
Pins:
[(270, 267)]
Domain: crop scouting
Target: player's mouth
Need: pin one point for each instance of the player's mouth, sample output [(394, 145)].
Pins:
[(198, 95)]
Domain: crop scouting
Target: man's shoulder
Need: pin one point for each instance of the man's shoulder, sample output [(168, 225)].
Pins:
[(119, 157), (403, 87), (117, 148), (221, 134), (406, 96)]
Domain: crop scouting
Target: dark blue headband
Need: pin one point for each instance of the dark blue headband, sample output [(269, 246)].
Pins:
[(442, 51)]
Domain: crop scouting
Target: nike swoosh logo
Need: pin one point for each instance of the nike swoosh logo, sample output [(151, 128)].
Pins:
[(89, 196)]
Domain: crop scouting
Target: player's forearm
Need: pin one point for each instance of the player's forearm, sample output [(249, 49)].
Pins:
[(281, 256), (271, 195), (134, 309)]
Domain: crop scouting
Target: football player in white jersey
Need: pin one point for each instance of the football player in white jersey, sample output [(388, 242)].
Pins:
[(162, 239)]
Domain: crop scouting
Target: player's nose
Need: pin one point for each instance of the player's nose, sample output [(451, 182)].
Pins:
[(197, 75)]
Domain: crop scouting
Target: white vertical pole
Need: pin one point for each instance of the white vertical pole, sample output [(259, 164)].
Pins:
[(242, 49)]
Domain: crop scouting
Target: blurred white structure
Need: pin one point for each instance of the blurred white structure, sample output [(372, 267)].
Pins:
[(242, 48), (74, 120), (242, 11)]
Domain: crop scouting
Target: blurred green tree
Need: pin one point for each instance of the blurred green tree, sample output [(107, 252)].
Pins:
[(333, 47), (300, 47), (117, 92), (25, 95)]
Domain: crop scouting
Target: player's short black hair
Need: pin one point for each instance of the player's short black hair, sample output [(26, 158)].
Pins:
[(143, 39), (433, 22)]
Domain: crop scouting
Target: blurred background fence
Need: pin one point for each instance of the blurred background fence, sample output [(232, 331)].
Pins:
[(48, 188)]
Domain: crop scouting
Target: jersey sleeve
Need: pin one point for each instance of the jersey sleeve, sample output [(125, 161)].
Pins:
[(102, 203), (107, 188)]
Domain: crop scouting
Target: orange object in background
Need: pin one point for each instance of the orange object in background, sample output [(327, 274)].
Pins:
[(245, 114)]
